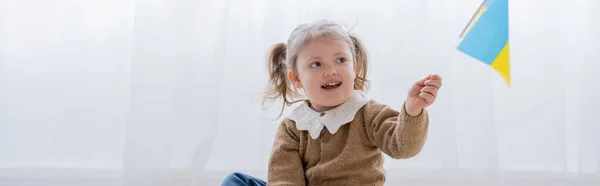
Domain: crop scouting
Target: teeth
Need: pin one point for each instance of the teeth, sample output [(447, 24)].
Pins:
[(332, 84)]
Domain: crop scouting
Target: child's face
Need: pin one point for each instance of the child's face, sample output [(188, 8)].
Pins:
[(326, 72)]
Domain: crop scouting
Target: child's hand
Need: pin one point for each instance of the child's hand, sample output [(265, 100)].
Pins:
[(422, 94)]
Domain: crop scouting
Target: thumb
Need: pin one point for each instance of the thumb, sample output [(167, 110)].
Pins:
[(434, 77), (421, 82)]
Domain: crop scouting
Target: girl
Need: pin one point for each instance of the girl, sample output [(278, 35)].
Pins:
[(338, 135)]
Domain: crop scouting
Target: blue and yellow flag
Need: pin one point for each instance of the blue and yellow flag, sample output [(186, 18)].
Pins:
[(485, 38)]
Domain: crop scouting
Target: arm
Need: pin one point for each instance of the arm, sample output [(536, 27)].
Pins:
[(285, 166), (397, 134)]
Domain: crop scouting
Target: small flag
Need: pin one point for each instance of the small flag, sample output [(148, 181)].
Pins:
[(485, 38)]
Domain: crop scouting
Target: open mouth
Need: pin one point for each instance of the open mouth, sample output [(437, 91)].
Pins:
[(332, 85)]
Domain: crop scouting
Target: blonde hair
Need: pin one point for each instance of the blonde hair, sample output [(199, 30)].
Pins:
[(283, 56)]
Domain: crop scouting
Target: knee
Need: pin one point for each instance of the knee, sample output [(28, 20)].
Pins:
[(241, 179), (233, 178)]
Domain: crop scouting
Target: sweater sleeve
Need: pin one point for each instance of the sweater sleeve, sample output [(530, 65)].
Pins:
[(285, 166), (396, 133)]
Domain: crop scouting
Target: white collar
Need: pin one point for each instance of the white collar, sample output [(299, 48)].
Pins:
[(312, 121)]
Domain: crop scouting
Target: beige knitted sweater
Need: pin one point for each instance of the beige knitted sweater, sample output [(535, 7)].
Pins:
[(343, 146)]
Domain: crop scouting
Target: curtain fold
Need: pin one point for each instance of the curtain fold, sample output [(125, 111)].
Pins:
[(167, 92), (175, 90)]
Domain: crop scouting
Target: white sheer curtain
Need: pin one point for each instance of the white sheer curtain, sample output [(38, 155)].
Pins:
[(166, 92)]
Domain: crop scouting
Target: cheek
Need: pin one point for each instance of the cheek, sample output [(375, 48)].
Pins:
[(306, 78), (350, 70)]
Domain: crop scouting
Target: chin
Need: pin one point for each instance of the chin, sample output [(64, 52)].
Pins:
[(333, 99)]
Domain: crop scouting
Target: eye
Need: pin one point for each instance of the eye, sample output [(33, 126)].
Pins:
[(341, 60), (315, 64)]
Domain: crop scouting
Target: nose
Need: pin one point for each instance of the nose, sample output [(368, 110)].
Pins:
[(330, 71)]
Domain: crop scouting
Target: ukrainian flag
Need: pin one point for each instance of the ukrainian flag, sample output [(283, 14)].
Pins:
[(485, 38)]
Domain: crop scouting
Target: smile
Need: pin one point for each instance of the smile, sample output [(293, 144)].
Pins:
[(331, 85)]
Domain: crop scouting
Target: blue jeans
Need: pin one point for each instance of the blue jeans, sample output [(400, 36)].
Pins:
[(241, 179)]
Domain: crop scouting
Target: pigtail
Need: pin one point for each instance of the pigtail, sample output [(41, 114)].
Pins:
[(360, 54), (278, 83)]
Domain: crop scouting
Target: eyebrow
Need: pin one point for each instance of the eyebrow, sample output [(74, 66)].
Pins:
[(336, 54)]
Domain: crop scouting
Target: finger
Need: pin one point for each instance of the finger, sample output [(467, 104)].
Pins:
[(422, 81), (435, 77), (427, 97), (436, 83), (430, 89)]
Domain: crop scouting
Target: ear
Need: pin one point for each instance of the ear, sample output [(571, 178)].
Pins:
[(294, 79)]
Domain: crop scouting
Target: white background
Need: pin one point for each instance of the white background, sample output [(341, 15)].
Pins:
[(167, 92)]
